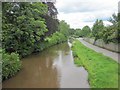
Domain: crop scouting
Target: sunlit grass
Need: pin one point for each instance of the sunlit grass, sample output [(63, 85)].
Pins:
[(103, 71)]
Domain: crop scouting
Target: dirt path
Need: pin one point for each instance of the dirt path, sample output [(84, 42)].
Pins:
[(108, 53)]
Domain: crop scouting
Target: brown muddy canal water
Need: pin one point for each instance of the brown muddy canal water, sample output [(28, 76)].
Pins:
[(52, 68)]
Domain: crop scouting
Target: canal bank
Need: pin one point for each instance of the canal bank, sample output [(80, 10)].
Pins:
[(103, 71)]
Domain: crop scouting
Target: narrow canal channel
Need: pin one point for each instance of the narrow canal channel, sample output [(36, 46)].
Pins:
[(52, 68)]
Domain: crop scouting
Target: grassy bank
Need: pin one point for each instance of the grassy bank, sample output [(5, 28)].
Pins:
[(103, 71)]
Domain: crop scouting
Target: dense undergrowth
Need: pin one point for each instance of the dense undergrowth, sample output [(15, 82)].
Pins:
[(103, 71)]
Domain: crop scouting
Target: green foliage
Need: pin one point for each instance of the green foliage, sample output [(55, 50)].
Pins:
[(97, 29), (78, 62), (23, 29), (103, 71), (114, 19), (78, 33), (85, 31), (64, 28), (25, 26), (10, 65), (74, 54), (109, 33), (27, 29), (71, 31), (56, 38), (113, 30), (39, 9)]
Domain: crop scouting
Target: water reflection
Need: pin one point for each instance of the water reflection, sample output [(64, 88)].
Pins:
[(52, 68)]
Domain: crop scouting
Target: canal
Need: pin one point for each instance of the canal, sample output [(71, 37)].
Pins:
[(52, 68)]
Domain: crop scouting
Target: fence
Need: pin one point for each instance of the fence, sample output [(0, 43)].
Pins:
[(111, 46)]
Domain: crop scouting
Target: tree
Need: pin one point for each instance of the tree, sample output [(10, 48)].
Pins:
[(97, 29), (52, 11), (64, 28), (77, 32), (23, 27), (114, 19), (114, 28), (52, 25), (86, 31), (111, 32), (71, 31)]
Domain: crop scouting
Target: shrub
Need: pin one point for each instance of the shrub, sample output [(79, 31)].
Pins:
[(10, 65), (56, 38)]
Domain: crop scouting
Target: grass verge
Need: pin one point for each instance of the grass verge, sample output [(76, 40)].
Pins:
[(103, 71)]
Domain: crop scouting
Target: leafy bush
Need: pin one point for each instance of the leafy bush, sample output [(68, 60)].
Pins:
[(56, 38), (10, 65)]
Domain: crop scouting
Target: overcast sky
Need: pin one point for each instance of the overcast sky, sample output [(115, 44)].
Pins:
[(78, 13)]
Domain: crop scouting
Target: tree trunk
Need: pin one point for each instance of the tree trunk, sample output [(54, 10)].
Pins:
[(95, 41)]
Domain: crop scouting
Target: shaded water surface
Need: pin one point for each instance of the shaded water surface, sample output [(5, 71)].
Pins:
[(52, 68)]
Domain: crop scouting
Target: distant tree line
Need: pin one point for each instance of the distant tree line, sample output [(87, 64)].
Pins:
[(108, 34)]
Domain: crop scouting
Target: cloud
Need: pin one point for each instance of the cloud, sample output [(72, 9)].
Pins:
[(70, 6), (79, 13), (76, 20)]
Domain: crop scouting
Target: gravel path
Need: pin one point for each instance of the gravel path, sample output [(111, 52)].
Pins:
[(108, 53)]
